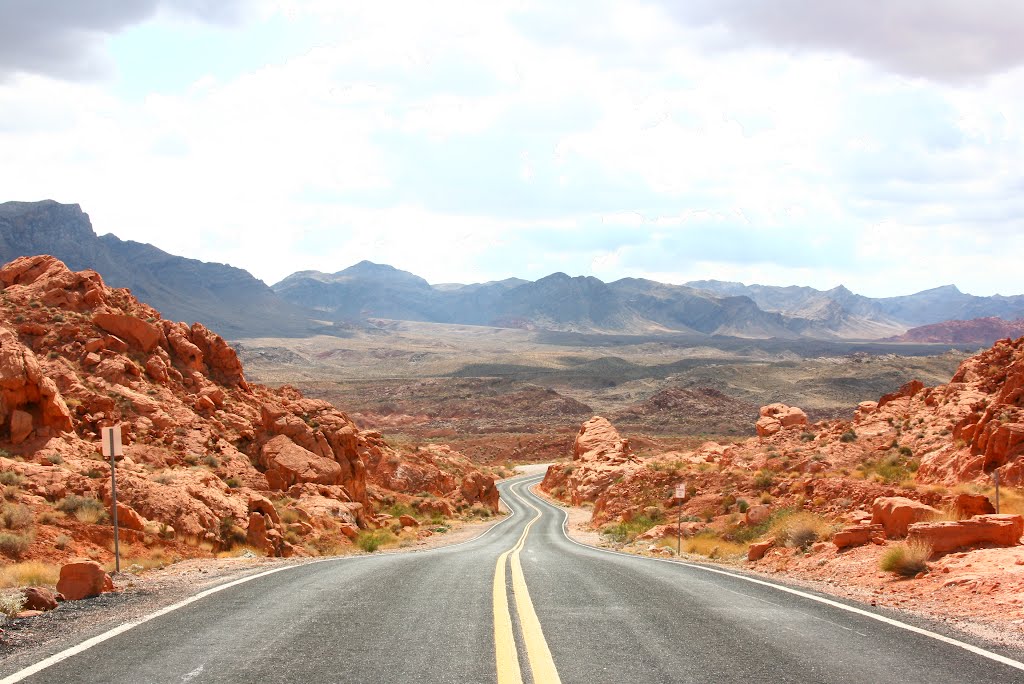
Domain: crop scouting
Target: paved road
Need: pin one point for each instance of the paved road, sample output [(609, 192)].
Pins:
[(521, 603)]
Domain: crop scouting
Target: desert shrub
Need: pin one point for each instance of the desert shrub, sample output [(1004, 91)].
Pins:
[(399, 509), (29, 574), (371, 540), (233, 482), (625, 532), (742, 506), (62, 541), (47, 517), (764, 479), (54, 459), (906, 451), (74, 504), (13, 544), (11, 604), (799, 530), (906, 559), (231, 535), (807, 437), (165, 478), (211, 461), (16, 517), (848, 436), (11, 478), (712, 546)]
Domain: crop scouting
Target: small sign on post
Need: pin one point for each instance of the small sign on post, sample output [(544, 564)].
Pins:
[(680, 495), (110, 438)]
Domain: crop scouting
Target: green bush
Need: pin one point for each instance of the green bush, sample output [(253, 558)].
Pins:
[(848, 436), (371, 540), (764, 479), (625, 532), (11, 478), (906, 559)]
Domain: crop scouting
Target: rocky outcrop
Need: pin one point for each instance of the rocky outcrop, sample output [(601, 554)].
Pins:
[(775, 417), (599, 456), (981, 530), (206, 454), (858, 535), (896, 513)]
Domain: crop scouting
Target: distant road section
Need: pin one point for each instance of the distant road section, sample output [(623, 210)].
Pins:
[(522, 603)]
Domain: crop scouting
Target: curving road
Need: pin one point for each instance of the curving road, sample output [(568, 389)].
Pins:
[(521, 603)]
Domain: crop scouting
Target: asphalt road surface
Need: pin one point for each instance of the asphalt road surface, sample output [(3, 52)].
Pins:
[(522, 603)]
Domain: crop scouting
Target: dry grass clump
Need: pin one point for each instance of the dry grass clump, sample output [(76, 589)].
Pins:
[(29, 574), (15, 517), (712, 546), (14, 545), (799, 530), (11, 604), (906, 559), (371, 540), (86, 509)]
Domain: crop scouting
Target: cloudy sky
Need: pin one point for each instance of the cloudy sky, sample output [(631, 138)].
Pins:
[(875, 144)]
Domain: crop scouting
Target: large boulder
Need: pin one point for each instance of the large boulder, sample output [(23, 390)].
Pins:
[(896, 513), (39, 598), (83, 579), (858, 535), (775, 417), (287, 464), (981, 530), (142, 334)]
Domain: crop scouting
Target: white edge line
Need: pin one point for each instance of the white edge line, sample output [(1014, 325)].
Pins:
[(977, 650), (120, 629)]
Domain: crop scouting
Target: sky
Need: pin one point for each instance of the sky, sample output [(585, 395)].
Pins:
[(874, 144)]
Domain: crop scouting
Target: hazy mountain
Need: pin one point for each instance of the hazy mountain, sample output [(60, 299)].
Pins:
[(982, 332), (226, 299)]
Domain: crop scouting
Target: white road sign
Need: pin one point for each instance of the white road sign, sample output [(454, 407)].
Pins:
[(111, 438), (681, 491)]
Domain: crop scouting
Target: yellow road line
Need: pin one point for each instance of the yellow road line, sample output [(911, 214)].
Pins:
[(504, 641), (542, 666)]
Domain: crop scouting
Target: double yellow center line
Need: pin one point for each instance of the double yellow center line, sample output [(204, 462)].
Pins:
[(542, 667)]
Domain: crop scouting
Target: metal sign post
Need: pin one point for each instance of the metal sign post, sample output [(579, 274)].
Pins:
[(680, 495), (111, 443), (995, 476)]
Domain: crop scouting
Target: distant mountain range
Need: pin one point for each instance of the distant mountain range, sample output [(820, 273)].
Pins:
[(234, 303), (982, 332), (226, 299)]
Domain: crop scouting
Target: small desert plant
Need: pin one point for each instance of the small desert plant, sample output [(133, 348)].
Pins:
[(54, 459), (11, 604), (764, 479), (371, 540), (807, 437), (233, 482), (799, 530), (907, 559), (742, 506), (62, 541), (16, 517), (14, 545), (211, 461), (848, 436), (11, 478), (712, 546)]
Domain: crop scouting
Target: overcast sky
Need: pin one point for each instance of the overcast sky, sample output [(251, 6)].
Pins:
[(878, 144)]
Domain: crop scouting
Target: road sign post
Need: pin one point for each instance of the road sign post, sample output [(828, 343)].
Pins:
[(110, 439), (995, 476), (680, 495)]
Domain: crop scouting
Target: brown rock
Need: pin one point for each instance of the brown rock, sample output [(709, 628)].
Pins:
[(767, 426), (896, 513), (981, 530), (39, 598), (408, 521), (287, 463), (756, 514), (349, 530), (758, 549), (857, 535), (83, 579), (969, 505), (21, 426), (128, 518), (257, 534), (141, 333), (261, 504)]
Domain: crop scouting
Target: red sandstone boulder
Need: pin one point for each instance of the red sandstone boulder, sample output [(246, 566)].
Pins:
[(83, 579), (896, 513), (39, 598), (756, 514), (143, 334), (758, 549), (408, 521), (128, 518), (969, 505), (857, 535), (287, 464), (981, 530), (775, 417), (599, 440)]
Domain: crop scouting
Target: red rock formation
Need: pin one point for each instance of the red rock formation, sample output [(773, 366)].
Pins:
[(204, 450), (857, 535), (775, 417), (981, 530), (896, 513), (977, 331)]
